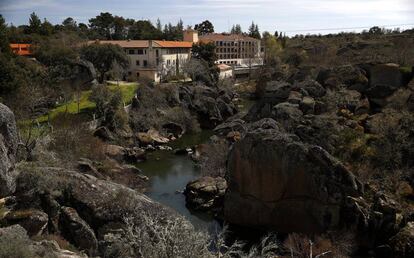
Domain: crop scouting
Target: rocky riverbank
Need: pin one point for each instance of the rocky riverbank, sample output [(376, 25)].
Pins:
[(316, 155)]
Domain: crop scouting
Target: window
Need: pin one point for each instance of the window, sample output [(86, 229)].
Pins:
[(140, 52), (131, 52), (168, 62), (157, 53), (145, 63), (137, 62), (137, 75)]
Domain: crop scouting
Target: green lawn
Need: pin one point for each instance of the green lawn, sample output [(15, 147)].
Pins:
[(128, 91)]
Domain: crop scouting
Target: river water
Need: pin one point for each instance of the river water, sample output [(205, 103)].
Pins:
[(169, 174)]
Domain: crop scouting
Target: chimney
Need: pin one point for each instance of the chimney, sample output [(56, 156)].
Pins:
[(190, 35)]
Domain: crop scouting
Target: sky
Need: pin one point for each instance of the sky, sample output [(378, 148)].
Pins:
[(290, 16)]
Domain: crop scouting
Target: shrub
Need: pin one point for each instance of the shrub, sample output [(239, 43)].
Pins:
[(183, 117), (72, 139), (302, 246), (109, 106), (16, 245)]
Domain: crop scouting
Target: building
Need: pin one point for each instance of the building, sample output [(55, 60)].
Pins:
[(153, 59), (21, 49), (226, 71), (235, 49)]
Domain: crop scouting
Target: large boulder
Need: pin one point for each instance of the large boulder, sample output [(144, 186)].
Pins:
[(384, 79), (403, 242), (210, 105), (311, 88), (275, 92), (352, 77), (32, 220), (123, 154), (8, 151), (77, 231), (277, 182), (205, 193)]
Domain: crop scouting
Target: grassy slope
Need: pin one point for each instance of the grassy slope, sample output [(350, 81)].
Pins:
[(127, 89)]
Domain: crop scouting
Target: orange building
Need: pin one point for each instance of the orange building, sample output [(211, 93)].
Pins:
[(21, 49)]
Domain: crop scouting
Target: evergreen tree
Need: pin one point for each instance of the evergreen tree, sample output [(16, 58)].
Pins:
[(254, 31), (159, 25), (4, 40), (236, 29), (34, 23), (46, 29)]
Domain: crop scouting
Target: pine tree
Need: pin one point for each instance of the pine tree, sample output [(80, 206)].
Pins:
[(236, 29), (254, 31), (34, 23), (159, 25)]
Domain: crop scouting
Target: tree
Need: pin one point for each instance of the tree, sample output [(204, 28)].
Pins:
[(46, 29), (69, 24), (206, 53), (34, 24), (254, 31), (159, 25), (376, 30), (102, 56), (4, 39), (272, 49), (103, 24), (143, 29), (205, 27), (109, 106), (236, 29)]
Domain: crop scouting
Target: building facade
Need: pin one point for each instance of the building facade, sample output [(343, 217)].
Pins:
[(235, 49), (21, 49), (153, 59)]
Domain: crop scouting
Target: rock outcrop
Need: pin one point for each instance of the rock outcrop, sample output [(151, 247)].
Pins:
[(211, 105), (276, 181), (206, 193), (8, 151), (83, 208), (403, 242)]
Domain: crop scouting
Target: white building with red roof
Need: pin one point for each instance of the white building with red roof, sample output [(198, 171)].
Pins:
[(153, 59)]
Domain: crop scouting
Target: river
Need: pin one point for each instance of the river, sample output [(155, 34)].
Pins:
[(169, 174)]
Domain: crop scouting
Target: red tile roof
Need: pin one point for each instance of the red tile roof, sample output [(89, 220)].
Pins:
[(124, 43), (224, 37), (21, 49), (145, 43), (174, 44)]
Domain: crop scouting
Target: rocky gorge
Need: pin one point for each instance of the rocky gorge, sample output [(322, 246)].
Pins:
[(314, 155)]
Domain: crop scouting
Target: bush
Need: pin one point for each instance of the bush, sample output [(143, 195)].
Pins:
[(16, 245), (109, 106), (183, 117), (72, 139)]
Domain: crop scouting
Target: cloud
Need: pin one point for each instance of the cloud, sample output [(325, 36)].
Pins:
[(18, 5), (269, 14)]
